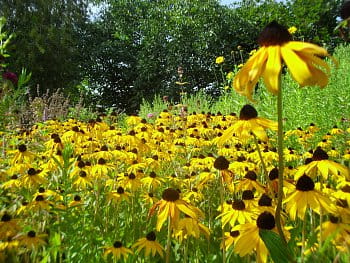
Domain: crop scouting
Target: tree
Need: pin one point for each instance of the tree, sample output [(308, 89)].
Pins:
[(47, 40)]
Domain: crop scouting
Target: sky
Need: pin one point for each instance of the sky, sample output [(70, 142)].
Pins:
[(227, 2)]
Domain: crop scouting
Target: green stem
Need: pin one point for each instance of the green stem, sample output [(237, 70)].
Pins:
[(168, 242), (222, 193), (280, 164), (303, 239), (261, 158)]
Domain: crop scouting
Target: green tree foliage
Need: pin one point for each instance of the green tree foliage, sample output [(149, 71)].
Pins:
[(142, 44), (47, 40)]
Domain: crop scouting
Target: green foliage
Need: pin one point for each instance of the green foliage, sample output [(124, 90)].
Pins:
[(48, 41), (276, 247)]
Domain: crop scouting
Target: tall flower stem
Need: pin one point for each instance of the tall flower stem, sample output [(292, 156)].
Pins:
[(168, 242), (222, 193), (280, 163), (261, 157)]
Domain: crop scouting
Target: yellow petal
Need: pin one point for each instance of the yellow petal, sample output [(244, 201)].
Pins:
[(273, 68), (298, 68), (306, 47)]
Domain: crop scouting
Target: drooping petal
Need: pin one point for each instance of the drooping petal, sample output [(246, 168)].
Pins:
[(298, 68), (306, 47), (272, 70), (246, 79)]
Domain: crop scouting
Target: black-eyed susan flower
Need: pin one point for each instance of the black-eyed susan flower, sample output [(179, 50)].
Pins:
[(249, 182), (306, 196), (320, 163), (238, 212), (119, 195), (170, 206), (118, 251), (249, 123), (31, 240), (276, 46), (22, 155), (32, 178), (149, 244), (8, 226), (249, 239), (229, 239), (334, 226), (188, 227)]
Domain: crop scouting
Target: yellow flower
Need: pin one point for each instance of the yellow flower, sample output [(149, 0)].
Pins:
[(276, 46), (149, 244), (238, 212), (22, 155), (249, 239), (292, 30), (219, 60), (306, 196), (248, 123), (31, 240), (170, 206), (190, 227), (229, 239), (117, 250), (321, 164)]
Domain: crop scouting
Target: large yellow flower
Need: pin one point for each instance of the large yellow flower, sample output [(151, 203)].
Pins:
[(249, 123), (149, 244), (170, 206), (302, 59), (306, 196)]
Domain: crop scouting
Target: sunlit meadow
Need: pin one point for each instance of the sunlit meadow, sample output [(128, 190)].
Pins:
[(166, 186)]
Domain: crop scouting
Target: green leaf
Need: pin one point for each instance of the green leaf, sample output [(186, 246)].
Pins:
[(279, 251)]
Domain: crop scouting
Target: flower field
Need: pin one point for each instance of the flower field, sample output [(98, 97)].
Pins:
[(89, 191)]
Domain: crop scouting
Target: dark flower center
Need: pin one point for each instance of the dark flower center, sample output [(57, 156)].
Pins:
[(170, 195), (274, 34), (248, 112), (265, 200), (247, 195), (117, 244), (319, 155), (22, 148), (132, 176), (31, 171), (152, 174), (342, 203), (221, 163), (346, 188), (82, 174), (5, 218), (151, 236), (150, 195), (39, 198), (81, 164), (305, 183), (120, 190), (101, 161), (251, 175), (234, 233), (334, 219), (41, 190), (104, 148), (31, 233), (238, 205), (77, 198), (266, 221), (273, 174)]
